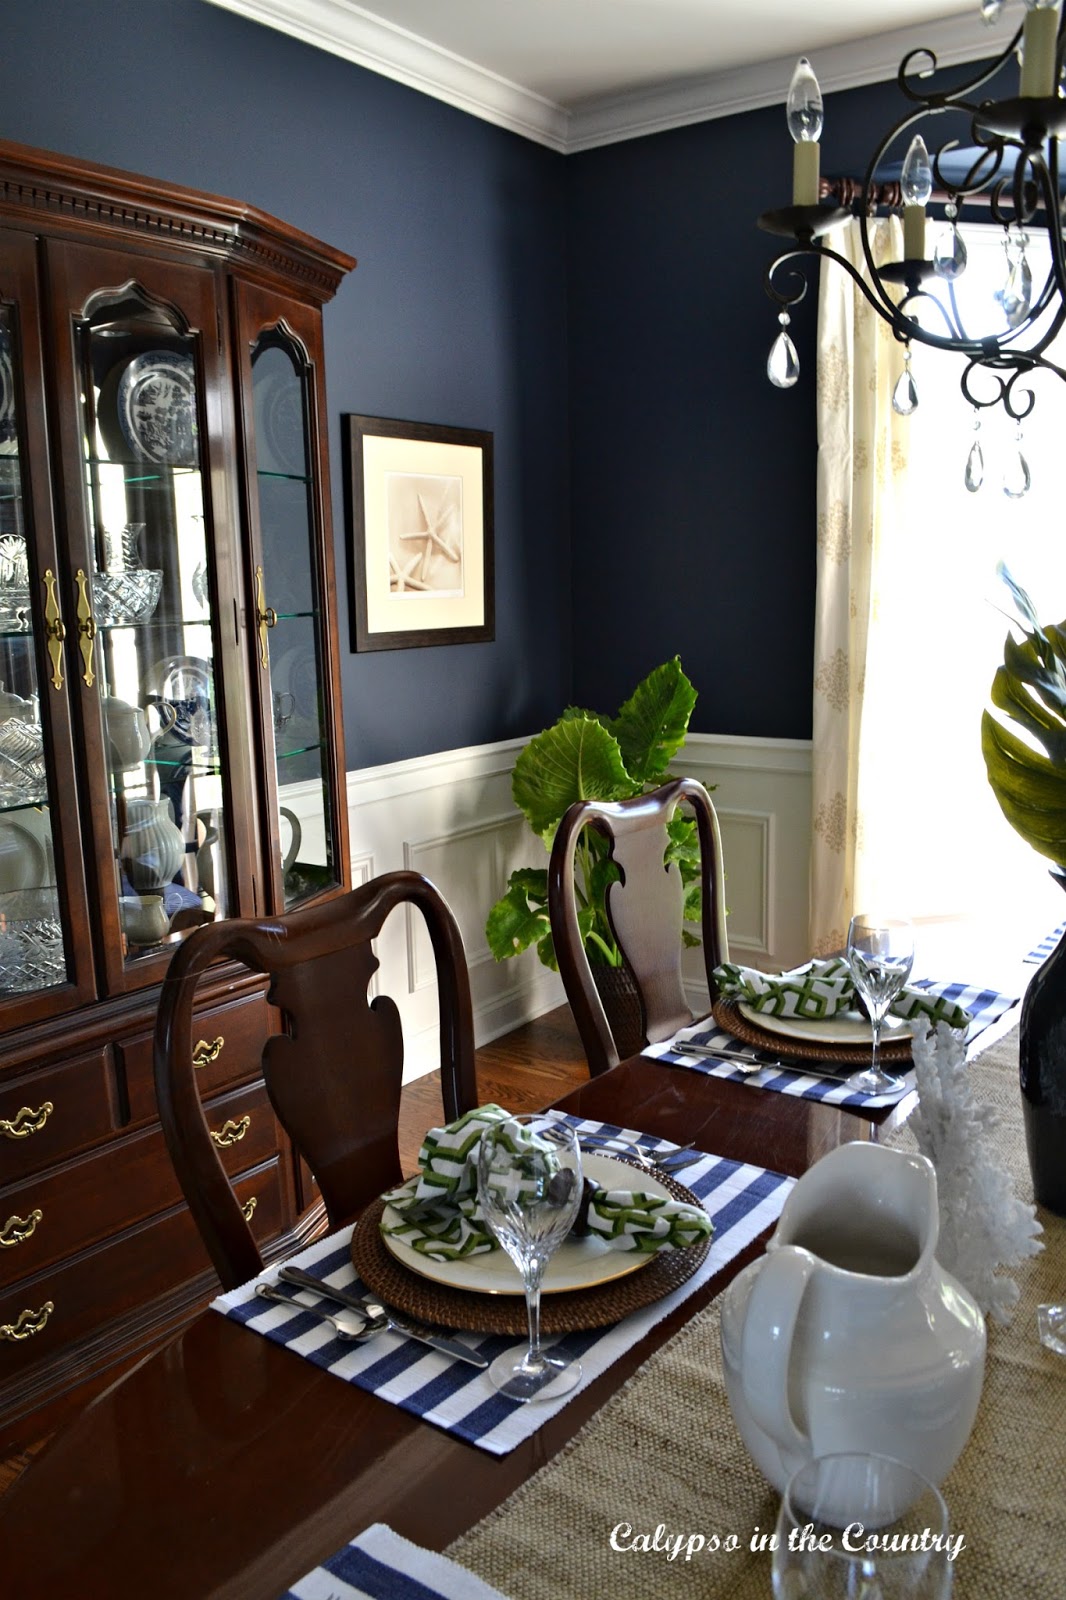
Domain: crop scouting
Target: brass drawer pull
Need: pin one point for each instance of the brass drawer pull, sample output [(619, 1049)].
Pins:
[(54, 630), (17, 1230), (86, 627), (204, 1053), (248, 1207), (27, 1323), (26, 1121), (231, 1132)]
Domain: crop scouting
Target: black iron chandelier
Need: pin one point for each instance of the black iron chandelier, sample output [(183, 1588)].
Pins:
[(1010, 164)]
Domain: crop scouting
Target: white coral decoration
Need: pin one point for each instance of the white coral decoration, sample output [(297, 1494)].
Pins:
[(982, 1222)]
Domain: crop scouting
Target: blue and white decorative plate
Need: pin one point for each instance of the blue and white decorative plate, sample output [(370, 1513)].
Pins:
[(157, 408)]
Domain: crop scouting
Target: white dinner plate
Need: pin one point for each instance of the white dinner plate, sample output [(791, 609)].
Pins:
[(847, 1027), (23, 859), (577, 1264)]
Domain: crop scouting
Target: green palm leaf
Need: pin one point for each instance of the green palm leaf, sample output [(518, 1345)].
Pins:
[(576, 759), (513, 925), (1030, 690), (651, 726)]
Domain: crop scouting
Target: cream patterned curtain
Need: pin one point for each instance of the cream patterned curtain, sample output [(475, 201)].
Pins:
[(861, 461)]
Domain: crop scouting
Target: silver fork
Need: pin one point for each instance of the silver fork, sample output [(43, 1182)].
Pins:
[(660, 1160)]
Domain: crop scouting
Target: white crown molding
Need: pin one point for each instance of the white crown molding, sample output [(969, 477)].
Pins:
[(844, 66), (359, 36)]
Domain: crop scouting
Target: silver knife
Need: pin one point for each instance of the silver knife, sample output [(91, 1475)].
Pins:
[(742, 1058), (381, 1316)]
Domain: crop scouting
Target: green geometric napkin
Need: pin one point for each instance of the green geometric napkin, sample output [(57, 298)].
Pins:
[(823, 989), (441, 1217)]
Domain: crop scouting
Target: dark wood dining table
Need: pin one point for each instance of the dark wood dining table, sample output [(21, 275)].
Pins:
[(225, 1465)]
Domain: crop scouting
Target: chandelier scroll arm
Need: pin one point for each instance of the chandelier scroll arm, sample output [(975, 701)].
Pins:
[(961, 92)]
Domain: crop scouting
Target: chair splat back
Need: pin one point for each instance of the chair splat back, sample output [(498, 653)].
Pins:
[(334, 1075), (644, 909)]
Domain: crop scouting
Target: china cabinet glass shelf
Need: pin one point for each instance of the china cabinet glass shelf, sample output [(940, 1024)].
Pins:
[(7, 807)]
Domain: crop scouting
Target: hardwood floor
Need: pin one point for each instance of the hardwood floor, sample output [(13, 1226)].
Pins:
[(523, 1070)]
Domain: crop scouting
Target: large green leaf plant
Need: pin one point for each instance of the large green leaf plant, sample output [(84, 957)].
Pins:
[(1027, 771), (585, 756)]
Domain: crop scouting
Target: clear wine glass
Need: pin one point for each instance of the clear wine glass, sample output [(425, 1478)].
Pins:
[(529, 1188), (862, 1525), (880, 954)]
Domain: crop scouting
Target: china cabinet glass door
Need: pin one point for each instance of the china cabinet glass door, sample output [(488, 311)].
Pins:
[(140, 426), (150, 594), (33, 953), (290, 616)]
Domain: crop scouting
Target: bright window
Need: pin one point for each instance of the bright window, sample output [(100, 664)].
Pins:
[(945, 849)]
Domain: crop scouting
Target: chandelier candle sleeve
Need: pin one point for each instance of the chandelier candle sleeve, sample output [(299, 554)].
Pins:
[(916, 184), (1038, 48), (804, 113)]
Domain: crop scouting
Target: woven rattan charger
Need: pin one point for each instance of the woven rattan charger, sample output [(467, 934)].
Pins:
[(495, 1313), (787, 1048)]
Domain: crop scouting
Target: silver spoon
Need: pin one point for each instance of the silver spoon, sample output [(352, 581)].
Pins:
[(348, 1324)]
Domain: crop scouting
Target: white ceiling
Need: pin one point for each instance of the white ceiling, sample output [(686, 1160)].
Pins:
[(577, 73)]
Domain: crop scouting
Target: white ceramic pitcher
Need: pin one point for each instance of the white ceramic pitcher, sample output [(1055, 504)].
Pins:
[(848, 1335)]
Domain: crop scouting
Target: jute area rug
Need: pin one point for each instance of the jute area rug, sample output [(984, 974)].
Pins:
[(664, 1454)]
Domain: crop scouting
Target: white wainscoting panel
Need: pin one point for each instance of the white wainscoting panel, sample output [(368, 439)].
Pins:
[(451, 816), (761, 790)]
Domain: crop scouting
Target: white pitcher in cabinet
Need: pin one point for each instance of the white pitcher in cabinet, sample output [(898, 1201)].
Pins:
[(848, 1335)]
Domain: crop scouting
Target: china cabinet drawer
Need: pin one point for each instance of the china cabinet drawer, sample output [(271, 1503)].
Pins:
[(54, 1309), (228, 1042), (58, 1213), (47, 1116)]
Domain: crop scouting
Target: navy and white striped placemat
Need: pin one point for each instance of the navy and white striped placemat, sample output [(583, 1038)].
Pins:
[(1040, 952), (986, 1006), (380, 1565), (741, 1200)]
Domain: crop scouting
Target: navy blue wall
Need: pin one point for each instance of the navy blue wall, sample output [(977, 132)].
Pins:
[(693, 479), (456, 313), (694, 518)]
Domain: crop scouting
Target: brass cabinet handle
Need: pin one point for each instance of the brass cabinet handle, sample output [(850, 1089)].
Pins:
[(26, 1121), (248, 1207), (27, 1323), (204, 1054), (54, 631), (17, 1230), (86, 627), (231, 1132), (265, 616)]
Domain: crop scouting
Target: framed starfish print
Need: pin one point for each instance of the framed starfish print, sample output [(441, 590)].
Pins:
[(420, 545)]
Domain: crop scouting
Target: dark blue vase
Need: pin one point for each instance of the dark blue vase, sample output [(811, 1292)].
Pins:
[(1042, 1066)]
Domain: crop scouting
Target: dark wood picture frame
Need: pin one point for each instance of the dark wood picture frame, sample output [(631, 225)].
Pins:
[(419, 508)]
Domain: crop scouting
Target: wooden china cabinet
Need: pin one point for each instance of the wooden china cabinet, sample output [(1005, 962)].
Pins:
[(170, 729)]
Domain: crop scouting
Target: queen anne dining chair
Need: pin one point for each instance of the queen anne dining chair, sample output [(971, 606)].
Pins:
[(644, 909), (334, 1075)]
